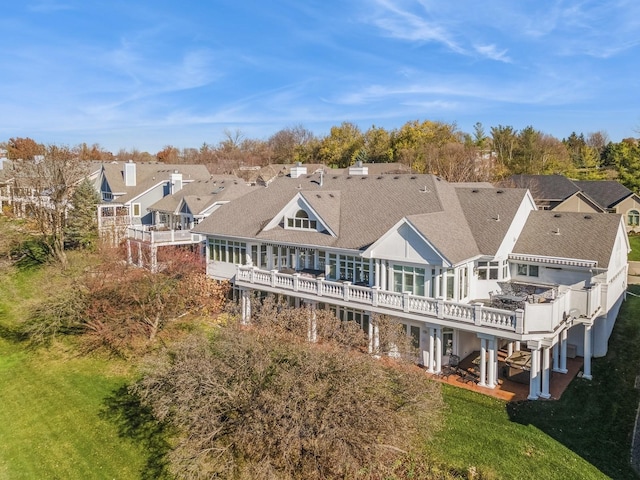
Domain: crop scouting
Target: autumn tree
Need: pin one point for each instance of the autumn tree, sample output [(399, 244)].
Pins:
[(169, 154), (257, 403), (342, 145), (287, 145), (378, 145), (24, 149)]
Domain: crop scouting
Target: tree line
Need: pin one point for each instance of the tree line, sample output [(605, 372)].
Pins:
[(425, 146)]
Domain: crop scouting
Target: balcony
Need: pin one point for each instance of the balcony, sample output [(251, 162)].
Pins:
[(162, 237), (383, 301)]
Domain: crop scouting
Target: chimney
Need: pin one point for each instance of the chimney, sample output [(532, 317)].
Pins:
[(130, 174), (176, 182), (298, 170), (358, 169)]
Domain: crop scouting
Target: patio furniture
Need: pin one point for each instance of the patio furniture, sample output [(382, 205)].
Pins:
[(451, 367)]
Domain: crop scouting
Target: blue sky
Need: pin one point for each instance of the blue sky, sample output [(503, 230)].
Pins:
[(145, 74)]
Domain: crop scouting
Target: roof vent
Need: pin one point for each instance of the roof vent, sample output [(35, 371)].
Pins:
[(299, 187), (364, 177), (331, 195), (475, 190), (424, 189), (556, 231), (497, 218), (380, 177), (413, 177), (556, 215), (318, 195), (588, 217), (396, 177), (499, 191)]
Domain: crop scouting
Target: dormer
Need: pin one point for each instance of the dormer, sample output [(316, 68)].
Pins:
[(304, 215)]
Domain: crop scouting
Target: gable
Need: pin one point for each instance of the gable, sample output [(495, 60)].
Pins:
[(404, 243), (298, 214)]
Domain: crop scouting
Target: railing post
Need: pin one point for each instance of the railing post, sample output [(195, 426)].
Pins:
[(273, 278), (252, 275), (520, 321), (345, 291), (374, 296), (477, 313), (296, 278), (320, 284), (405, 301), (441, 308)]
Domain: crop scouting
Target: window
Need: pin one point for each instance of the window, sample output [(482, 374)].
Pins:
[(228, 251), (527, 270), (447, 340), (633, 218), (351, 315), (107, 196), (348, 268), (488, 270), (259, 256), (408, 279), (302, 221), (136, 209)]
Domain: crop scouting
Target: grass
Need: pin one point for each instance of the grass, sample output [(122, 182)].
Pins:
[(54, 420), (586, 434), (634, 242)]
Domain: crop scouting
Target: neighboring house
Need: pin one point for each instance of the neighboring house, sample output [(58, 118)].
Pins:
[(556, 192), (128, 189), (175, 215), (465, 268), (614, 197)]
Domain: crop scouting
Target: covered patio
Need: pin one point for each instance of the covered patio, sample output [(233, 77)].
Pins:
[(507, 390)]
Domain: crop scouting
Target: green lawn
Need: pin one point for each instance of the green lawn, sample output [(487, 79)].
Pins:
[(634, 242), (586, 434), (67, 416), (52, 401)]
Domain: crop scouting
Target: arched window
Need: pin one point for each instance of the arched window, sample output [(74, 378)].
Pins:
[(633, 218), (301, 220)]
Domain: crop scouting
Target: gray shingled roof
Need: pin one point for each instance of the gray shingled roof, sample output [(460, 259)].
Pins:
[(607, 193), (543, 187), (569, 235), (489, 212), (203, 193), (147, 176), (368, 207)]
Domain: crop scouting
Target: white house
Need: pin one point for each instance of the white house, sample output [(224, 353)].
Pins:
[(466, 268)]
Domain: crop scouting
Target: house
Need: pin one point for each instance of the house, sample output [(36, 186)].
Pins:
[(128, 189), (466, 268), (556, 192), (175, 215)]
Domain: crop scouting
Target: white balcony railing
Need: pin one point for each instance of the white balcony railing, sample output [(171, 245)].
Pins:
[(162, 236), (392, 302)]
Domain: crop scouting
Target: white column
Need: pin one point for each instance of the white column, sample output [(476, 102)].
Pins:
[(438, 349), (534, 377), (246, 306), (563, 352), (483, 362), (546, 373), (510, 349), (377, 272), (312, 334), (376, 338), (492, 367), (587, 352), (129, 258), (518, 346), (430, 352), (383, 275), (370, 334), (556, 356)]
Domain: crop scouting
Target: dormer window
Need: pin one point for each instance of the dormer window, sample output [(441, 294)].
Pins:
[(302, 221)]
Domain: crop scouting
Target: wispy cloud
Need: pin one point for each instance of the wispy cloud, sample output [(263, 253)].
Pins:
[(492, 52), (48, 7)]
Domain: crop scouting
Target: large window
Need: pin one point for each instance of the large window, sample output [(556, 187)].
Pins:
[(228, 251), (259, 256), (348, 268), (408, 279), (136, 210), (633, 218), (488, 270), (302, 221), (527, 270)]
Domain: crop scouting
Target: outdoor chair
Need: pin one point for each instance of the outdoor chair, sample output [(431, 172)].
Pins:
[(451, 367)]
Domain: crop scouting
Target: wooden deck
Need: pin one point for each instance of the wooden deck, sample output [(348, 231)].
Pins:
[(508, 390)]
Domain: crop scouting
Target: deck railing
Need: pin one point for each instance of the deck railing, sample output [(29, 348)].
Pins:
[(393, 302), (162, 236)]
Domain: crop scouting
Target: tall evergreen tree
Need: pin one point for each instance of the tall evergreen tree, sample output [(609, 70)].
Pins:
[(81, 229)]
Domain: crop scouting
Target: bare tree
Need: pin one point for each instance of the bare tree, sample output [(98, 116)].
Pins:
[(46, 183)]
